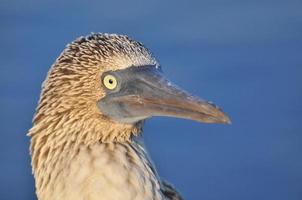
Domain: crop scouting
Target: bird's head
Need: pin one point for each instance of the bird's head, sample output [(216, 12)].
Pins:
[(108, 80)]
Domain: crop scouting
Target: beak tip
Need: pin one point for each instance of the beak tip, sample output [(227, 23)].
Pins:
[(226, 120), (222, 118), (229, 122)]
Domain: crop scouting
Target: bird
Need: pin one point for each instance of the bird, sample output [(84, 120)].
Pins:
[(86, 139)]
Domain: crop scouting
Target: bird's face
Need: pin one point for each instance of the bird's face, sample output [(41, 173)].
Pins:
[(139, 92), (112, 81)]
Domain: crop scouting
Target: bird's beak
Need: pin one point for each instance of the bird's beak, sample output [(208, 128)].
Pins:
[(144, 92)]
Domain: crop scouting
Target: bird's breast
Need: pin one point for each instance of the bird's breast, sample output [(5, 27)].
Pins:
[(109, 171)]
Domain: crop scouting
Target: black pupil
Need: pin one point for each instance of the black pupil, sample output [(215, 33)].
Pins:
[(110, 81)]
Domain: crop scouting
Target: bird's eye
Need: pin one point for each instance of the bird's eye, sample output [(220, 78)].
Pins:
[(110, 82)]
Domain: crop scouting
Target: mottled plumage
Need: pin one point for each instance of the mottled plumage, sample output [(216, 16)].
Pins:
[(86, 141), (77, 152)]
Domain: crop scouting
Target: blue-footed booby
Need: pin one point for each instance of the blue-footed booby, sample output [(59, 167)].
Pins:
[(86, 141)]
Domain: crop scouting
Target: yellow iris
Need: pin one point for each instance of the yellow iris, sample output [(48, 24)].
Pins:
[(110, 82)]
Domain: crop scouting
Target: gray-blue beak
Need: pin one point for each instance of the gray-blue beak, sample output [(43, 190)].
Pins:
[(143, 92)]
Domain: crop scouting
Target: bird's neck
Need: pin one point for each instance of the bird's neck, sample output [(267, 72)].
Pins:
[(73, 161)]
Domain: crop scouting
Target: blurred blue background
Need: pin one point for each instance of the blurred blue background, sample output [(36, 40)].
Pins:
[(245, 55)]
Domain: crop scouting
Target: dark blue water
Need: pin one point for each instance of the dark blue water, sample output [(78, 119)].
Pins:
[(246, 56)]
